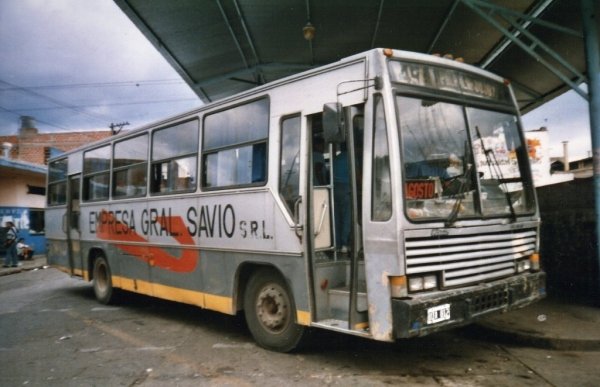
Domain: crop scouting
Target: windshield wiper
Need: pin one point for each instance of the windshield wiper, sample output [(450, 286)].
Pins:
[(460, 196), (492, 162)]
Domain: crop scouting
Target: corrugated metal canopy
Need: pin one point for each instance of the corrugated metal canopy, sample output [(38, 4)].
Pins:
[(222, 47)]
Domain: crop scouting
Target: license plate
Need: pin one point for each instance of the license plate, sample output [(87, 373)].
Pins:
[(438, 313)]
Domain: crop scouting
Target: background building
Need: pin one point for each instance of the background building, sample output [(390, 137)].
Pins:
[(23, 159)]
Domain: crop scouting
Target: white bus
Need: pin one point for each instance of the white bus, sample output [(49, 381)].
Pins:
[(387, 195)]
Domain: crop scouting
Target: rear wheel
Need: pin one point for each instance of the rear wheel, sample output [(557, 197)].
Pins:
[(269, 310), (103, 288)]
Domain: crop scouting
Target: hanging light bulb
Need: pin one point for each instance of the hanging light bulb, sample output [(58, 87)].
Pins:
[(308, 31)]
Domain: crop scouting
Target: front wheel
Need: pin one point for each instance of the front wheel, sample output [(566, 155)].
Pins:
[(103, 288), (269, 312)]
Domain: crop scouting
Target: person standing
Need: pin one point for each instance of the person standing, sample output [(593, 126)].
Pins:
[(342, 200), (11, 246)]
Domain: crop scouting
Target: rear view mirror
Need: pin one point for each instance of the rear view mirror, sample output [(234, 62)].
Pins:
[(334, 130)]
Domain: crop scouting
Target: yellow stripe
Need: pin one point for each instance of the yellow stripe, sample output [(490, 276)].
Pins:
[(76, 272), (219, 303), (302, 317), (204, 300), (132, 285), (214, 302)]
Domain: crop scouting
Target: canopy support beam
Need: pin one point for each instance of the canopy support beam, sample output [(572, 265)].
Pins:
[(478, 7), (592, 55)]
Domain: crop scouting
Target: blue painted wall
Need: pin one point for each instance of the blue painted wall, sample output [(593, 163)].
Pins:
[(30, 222)]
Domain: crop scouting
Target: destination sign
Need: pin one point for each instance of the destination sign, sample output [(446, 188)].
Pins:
[(420, 189), (453, 80)]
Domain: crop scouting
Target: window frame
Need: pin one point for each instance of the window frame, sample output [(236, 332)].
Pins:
[(126, 168), (297, 116), (231, 145), (57, 183), (378, 99), (87, 176), (464, 103), (153, 186)]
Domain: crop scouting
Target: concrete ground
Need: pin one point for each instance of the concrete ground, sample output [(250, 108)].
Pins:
[(551, 323)]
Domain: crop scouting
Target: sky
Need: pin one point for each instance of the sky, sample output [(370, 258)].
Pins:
[(567, 119), (81, 65)]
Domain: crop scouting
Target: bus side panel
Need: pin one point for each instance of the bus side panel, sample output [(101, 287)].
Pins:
[(114, 231), (221, 234), (218, 266), (310, 93), (158, 248), (212, 284), (56, 238)]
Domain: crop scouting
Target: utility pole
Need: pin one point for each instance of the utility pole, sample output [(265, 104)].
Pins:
[(116, 128)]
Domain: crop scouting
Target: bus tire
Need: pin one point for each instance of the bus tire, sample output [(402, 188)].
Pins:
[(103, 288), (269, 310)]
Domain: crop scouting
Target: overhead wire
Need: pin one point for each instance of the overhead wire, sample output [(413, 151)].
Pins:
[(56, 101), (110, 104), (38, 120), (80, 109), (156, 82)]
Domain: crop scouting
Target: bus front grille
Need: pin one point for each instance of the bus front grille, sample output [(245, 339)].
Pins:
[(469, 259), (488, 301)]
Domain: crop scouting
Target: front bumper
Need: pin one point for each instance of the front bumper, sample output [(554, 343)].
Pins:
[(425, 314)]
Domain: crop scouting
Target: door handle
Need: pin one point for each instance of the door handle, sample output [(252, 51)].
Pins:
[(297, 225), (324, 208)]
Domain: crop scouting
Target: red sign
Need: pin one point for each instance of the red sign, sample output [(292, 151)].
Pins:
[(420, 189)]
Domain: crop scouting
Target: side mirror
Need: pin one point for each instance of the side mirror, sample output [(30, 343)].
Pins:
[(334, 125)]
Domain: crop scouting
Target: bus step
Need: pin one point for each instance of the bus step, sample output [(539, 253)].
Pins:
[(335, 323), (361, 328), (339, 299)]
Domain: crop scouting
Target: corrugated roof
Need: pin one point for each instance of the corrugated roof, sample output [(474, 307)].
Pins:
[(223, 47)]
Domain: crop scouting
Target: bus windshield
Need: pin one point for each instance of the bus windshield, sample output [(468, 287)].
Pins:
[(461, 162)]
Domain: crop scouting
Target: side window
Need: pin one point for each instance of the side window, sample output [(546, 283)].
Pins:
[(289, 173), (96, 173), (175, 158), (57, 182), (235, 146), (130, 165), (381, 207), (36, 222)]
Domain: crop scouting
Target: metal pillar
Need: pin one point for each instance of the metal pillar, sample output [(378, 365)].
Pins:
[(592, 54)]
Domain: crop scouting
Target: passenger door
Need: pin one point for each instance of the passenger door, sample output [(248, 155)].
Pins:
[(72, 224)]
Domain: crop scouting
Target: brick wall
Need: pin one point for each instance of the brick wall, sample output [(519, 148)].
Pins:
[(31, 147)]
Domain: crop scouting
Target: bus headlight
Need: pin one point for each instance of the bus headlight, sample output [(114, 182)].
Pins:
[(523, 265), (419, 283)]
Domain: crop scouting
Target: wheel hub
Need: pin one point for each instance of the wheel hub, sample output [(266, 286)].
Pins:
[(272, 308)]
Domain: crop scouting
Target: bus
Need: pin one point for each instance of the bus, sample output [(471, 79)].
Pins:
[(387, 195)]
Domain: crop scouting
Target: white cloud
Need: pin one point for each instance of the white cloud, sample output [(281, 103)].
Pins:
[(73, 42)]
